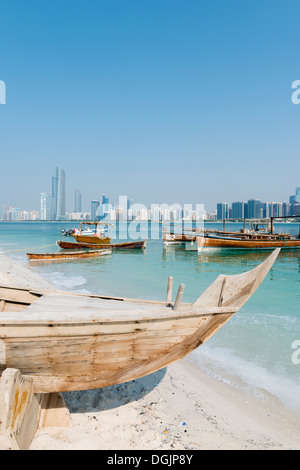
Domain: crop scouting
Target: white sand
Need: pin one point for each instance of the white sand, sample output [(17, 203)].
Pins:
[(178, 408)]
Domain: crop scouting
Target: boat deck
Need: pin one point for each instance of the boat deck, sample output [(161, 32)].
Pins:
[(63, 308)]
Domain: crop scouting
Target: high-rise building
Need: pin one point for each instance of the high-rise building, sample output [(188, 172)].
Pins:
[(94, 209), (222, 210), (255, 209), (104, 209), (46, 207), (296, 198), (77, 200), (54, 195), (239, 210), (60, 194)]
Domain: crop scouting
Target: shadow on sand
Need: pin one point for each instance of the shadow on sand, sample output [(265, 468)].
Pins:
[(107, 398)]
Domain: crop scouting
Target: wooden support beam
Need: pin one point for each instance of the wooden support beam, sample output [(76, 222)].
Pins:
[(169, 290), (179, 296), (22, 412)]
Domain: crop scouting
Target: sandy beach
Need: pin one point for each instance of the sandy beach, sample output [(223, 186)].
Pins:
[(177, 408)]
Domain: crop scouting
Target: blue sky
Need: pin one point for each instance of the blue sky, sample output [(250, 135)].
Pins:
[(164, 101)]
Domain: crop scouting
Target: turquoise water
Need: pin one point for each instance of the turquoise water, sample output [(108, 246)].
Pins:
[(255, 346)]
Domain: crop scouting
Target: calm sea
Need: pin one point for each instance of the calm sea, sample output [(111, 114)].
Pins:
[(255, 346)]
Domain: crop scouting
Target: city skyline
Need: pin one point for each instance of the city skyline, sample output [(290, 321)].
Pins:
[(166, 101), (53, 207)]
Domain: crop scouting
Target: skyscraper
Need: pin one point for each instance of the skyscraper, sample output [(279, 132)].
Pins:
[(59, 193), (222, 210), (239, 210), (94, 209), (255, 209), (77, 200), (46, 207)]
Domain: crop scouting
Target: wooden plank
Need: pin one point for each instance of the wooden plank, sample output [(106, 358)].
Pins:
[(22, 411), (19, 411), (54, 411)]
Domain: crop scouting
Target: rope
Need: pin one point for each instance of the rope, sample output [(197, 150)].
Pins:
[(26, 249)]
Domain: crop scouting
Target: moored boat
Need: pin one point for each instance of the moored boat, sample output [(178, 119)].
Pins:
[(95, 236), (67, 255), (170, 237), (69, 341), (121, 245), (260, 236)]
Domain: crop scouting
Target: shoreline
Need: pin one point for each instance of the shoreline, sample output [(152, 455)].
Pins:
[(177, 408)]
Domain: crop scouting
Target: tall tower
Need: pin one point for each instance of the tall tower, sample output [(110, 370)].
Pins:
[(77, 200), (60, 180), (46, 207)]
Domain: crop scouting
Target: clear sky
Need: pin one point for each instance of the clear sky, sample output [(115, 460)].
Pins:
[(164, 101)]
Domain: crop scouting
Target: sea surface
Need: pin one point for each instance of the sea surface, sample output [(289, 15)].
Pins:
[(257, 350)]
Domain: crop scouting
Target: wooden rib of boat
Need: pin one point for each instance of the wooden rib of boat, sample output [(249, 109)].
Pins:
[(68, 255), (122, 245), (68, 341)]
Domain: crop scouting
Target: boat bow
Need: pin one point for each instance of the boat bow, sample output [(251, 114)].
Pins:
[(235, 290)]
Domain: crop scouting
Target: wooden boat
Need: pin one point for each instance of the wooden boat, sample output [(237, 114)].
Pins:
[(259, 236), (67, 255), (94, 237), (122, 245), (170, 237), (67, 341)]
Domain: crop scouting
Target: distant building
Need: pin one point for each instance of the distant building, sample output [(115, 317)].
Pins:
[(296, 198), (104, 208), (294, 202), (94, 209), (47, 207), (296, 209), (239, 210), (255, 209), (60, 194), (222, 210), (77, 200)]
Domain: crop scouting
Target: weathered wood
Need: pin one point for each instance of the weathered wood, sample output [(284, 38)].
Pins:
[(95, 239), (266, 242), (179, 297), (122, 245), (22, 411), (169, 289), (174, 238), (67, 255), (66, 341), (53, 411)]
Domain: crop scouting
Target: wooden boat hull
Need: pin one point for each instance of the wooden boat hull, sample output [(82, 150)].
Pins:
[(68, 341), (61, 256), (231, 242), (123, 245), (92, 239), (177, 238)]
